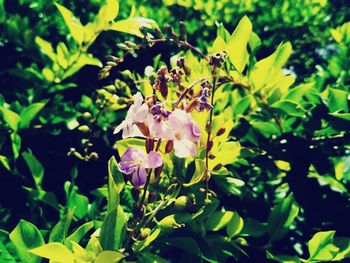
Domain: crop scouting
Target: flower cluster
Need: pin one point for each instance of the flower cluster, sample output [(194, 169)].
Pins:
[(150, 119)]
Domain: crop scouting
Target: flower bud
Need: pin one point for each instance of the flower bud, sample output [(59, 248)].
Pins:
[(169, 146), (84, 128), (183, 31), (208, 126), (87, 116), (181, 203), (93, 156), (163, 88), (144, 233), (111, 88), (212, 156), (149, 145), (169, 223), (143, 128), (158, 171), (221, 131), (207, 201), (210, 145), (152, 196), (217, 167)]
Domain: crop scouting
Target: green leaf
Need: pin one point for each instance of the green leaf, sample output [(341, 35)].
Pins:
[(113, 229), (123, 145), (219, 220), (234, 226), (283, 258), (289, 107), (321, 246), (83, 60), (26, 236), (46, 48), (267, 129), (132, 25), (237, 45), (29, 113), (344, 116), (187, 244), (55, 251), (81, 254), (109, 256), (337, 100), (140, 245), (48, 198), (343, 243), (10, 117), (108, 12), (243, 105), (116, 184), (282, 217), (253, 228), (35, 167), (269, 70), (60, 230), (229, 185), (5, 256), (198, 173), (79, 233), (5, 162), (62, 55), (151, 258), (73, 23), (16, 144)]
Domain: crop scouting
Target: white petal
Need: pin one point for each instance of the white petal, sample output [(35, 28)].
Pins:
[(184, 148)]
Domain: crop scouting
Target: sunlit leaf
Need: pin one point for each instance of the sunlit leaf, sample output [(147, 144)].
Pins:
[(321, 246), (237, 45), (282, 217), (72, 22), (26, 236), (54, 251)]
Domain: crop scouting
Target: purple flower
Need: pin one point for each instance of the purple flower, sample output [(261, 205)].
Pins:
[(136, 163)]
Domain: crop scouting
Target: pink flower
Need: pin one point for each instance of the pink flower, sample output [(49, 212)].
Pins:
[(136, 115), (136, 163), (184, 132)]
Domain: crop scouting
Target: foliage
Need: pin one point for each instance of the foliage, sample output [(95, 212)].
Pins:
[(251, 163)]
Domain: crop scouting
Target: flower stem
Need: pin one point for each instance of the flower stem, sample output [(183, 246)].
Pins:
[(209, 137), (187, 90)]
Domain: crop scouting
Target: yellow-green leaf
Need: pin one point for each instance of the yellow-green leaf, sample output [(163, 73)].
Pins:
[(132, 25), (73, 23), (109, 256), (321, 246), (46, 48), (54, 251), (237, 46), (198, 173)]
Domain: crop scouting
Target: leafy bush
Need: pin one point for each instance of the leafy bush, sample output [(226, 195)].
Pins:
[(232, 151)]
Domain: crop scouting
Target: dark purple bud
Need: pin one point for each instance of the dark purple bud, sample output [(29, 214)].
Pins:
[(152, 196), (169, 146), (149, 145), (217, 167), (221, 131)]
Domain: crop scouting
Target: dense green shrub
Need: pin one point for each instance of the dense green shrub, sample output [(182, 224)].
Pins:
[(261, 175)]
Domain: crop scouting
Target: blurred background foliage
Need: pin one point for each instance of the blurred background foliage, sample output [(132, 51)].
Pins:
[(57, 118)]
